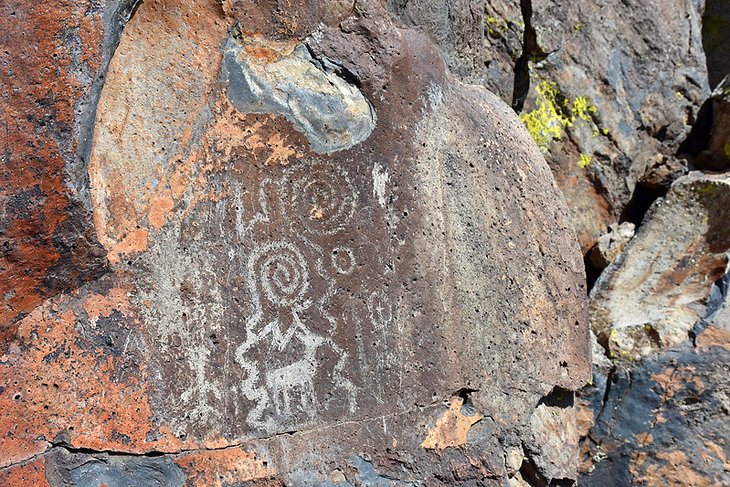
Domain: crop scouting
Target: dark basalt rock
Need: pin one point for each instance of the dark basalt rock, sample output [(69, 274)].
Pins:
[(662, 422)]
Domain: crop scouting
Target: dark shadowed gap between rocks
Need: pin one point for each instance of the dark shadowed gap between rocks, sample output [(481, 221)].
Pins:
[(641, 200), (592, 272), (715, 39), (531, 473), (699, 137), (530, 51)]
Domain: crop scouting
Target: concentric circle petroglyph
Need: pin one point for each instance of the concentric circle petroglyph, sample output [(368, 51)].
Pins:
[(322, 198)]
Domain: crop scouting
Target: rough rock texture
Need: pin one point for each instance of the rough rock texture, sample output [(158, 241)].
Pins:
[(457, 28), (51, 59), (610, 245), (662, 418), (662, 422), (658, 289), (607, 89), (715, 40), (319, 250), (718, 315), (504, 39)]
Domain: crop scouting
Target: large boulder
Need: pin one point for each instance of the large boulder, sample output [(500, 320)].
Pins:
[(657, 290), (327, 261)]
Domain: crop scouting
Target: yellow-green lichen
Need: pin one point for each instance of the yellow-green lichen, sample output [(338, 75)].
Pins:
[(548, 120), (495, 27), (727, 148), (585, 160), (583, 109), (579, 26), (554, 113)]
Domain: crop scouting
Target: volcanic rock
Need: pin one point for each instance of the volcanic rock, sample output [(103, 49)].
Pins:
[(316, 247), (663, 421), (658, 289)]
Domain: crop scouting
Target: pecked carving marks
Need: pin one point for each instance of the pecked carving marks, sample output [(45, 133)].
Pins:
[(286, 80)]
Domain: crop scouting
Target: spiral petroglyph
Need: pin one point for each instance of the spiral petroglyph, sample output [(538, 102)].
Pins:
[(321, 197), (282, 273)]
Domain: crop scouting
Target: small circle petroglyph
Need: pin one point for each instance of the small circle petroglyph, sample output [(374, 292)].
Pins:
[(343, 260)]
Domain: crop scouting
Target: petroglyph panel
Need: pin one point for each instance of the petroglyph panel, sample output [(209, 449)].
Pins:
[(252, 284), (247, 266), (283, 272)]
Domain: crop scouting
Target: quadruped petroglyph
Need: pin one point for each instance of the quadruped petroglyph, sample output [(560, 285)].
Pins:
[(268, 289)]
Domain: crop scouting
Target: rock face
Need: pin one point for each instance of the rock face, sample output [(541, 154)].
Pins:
[(319, 260), (662, 419), (617, 96), (664, 423), (52, 59), (456, 26), (607, 89), (658, 289)]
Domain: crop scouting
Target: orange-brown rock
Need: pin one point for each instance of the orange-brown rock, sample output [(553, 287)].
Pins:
[(50, 54)]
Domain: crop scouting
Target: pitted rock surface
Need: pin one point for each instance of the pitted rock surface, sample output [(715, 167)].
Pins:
[(652, 296), (308, 281)]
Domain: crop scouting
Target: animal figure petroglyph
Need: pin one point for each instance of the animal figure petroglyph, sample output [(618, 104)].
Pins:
[(296, 377)]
